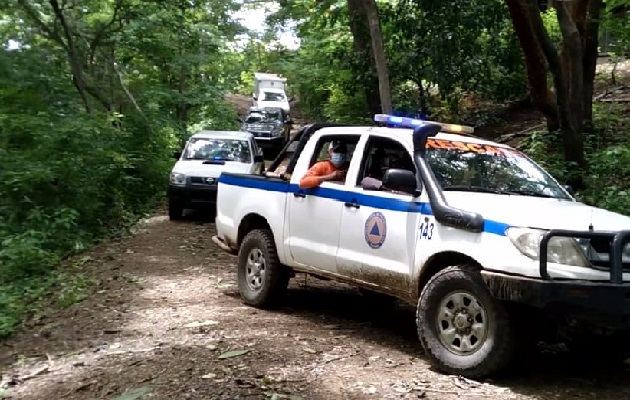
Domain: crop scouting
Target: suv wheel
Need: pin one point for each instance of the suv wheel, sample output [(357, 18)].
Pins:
[(262, 279), (463, 330), (175, 211)]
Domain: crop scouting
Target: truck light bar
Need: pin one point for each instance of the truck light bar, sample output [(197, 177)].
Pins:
[(405, 122)]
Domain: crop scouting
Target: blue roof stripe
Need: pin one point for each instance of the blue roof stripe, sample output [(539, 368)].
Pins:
[(368, 200)]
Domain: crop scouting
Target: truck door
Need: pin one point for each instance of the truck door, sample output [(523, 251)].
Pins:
[(314, 214), (378, 228)]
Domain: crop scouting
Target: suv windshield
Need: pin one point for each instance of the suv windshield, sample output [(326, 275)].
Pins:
[(269, 115), (272, 96), (483, 168), (218, 149)]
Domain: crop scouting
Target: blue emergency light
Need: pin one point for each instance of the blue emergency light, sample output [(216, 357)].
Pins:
[(406, 122), (403, 122)]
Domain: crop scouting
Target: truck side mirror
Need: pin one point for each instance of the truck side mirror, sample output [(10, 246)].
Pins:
[(291, 99), (569, 189), (177, 154), (400, 180), (258, 158)]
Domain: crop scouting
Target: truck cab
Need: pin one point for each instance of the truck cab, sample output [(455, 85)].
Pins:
[(474, 234)]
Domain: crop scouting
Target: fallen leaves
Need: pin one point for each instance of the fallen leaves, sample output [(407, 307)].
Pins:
[(134, 394), (234, 353), (198, 324)]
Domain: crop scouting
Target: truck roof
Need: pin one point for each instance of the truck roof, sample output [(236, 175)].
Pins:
[(207, 134), (269, 77), (402, 132)]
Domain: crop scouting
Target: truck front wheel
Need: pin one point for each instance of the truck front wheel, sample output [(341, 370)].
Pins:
[(262, 279), (463, 330)]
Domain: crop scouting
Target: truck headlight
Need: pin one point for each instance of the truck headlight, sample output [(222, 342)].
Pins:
[(560, 250), (178, 179)]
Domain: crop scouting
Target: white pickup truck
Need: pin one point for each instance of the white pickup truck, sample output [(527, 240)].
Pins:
[(489, 248)]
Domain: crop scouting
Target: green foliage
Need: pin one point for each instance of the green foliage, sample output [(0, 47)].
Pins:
[(608, 158), (615, 23), (80, 163)]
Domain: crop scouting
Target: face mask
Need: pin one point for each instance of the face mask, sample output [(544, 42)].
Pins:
[(337, 159)]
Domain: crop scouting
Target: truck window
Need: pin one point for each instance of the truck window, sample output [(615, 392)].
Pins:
[(380, 155), (321, 150)]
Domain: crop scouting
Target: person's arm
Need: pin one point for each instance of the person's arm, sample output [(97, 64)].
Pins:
[(314, 176), (369, 183)]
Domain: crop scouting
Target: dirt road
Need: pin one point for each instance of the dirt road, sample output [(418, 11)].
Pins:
[(165, 308)]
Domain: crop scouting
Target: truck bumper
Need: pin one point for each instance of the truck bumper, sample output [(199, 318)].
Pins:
[(603, 304), (269, 142), (193, 197)]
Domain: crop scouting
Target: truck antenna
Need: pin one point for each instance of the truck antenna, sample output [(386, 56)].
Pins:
[(590, 225)]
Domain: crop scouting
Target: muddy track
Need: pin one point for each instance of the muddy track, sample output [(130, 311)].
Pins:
[(165, 307)]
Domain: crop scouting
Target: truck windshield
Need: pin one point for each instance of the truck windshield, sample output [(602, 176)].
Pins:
[(218, 149), (464, 166), (272, 96)]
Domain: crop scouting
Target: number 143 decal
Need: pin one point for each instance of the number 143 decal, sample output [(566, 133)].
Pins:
[(426, 230)]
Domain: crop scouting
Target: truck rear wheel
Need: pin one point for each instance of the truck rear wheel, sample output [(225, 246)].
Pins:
[(463, 330), (262, 279)]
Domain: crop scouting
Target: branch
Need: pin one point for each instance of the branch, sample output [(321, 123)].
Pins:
[(127, 92), (47, 32)]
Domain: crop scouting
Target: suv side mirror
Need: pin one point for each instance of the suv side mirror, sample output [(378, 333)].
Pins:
[(177, 154), (400, 180), (258, 158), (289, 121), (569, 189)]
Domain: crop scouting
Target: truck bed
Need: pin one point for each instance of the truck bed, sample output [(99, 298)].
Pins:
[(240, 195)]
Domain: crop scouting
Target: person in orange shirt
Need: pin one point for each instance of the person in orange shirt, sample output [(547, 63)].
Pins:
[(328, 170)]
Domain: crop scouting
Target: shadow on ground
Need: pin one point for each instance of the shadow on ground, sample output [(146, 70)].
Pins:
[(166, 306)]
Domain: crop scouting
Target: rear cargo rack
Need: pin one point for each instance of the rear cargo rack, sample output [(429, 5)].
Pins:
[(617, 241)]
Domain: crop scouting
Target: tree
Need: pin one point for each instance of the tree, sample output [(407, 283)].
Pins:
[(362, 44), (572, 68), (380, 59)]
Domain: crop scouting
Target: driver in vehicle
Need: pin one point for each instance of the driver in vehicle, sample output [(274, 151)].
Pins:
[(383, 162), (333, 169)]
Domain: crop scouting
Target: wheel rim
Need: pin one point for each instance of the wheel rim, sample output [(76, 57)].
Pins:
[(255, 269), (461, 323)]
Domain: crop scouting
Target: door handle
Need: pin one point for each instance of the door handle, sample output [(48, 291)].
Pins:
[(351, 204), (299, 194)]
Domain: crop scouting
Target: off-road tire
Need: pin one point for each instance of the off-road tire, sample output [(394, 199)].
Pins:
[(276, 276), (175, 211), (497, 348)]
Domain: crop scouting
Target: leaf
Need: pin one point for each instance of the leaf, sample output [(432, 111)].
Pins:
[(134, 394), (197, 324), (234, 353)]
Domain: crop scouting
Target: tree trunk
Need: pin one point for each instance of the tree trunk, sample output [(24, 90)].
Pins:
[(379, 56), (568, 77), (591, 42), (363, 51), (572, 113), (535, 64)]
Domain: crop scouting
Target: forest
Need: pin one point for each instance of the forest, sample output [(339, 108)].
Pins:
[(96, 96)]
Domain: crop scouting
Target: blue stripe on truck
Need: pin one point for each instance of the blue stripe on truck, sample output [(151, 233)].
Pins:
[(381, 203)]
